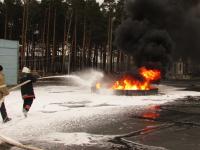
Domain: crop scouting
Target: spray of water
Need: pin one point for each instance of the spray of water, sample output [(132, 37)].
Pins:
[(83, 78)]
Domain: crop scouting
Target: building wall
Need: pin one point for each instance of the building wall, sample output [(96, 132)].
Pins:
[(179, 70), (9, 60)]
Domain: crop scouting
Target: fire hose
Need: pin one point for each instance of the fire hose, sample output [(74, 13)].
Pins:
[(17, 86), (15, 143), (13, 88), (8, 140)]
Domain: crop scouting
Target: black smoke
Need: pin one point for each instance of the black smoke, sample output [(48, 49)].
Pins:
[(154, 31)]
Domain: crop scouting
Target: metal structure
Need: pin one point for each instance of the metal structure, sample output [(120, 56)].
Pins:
[(153, 91)]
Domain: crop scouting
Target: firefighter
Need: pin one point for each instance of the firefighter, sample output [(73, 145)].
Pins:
[(3, 92), (27, 90)]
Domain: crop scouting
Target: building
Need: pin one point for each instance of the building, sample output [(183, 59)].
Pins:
[(9, 51), (180, 69)]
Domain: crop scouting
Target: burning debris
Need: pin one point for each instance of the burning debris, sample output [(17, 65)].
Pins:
[(131, 85)]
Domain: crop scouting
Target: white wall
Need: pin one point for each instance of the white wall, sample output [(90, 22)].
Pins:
[(9, 60)]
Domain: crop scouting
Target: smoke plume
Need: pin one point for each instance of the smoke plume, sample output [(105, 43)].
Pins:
[(156, 30)]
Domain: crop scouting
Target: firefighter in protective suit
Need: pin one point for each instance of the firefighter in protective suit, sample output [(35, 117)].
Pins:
[(27, 90), (3, 92)]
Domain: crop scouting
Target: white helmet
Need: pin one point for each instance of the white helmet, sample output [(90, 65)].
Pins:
[(26, 70)]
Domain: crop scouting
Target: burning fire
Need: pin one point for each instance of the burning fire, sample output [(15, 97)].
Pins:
[(98, 85), (129, 83), (151, 115), (150, 74)]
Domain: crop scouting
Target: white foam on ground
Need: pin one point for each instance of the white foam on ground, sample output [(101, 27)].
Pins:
[(58, 107), (76, 138)]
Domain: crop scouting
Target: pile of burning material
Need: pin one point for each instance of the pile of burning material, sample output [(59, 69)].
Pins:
[(130, 86)]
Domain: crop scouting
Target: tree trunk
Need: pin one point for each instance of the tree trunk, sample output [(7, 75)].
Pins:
[(43, 43), (110, 47), (23, 35), (108, 44), (71, 54), (26, 26), (10, 31), (118, 61), (64, 42), (96, 55), (54, 47), (47, 39), (66, 37), (122, 65), (89, 55), (101, 57), (75, 44), (104, 58), (83, 63), (6, 24)]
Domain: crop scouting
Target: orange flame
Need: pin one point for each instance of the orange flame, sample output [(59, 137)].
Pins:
[(98, 85), (129, 83), (150, 74), (151, 115)]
